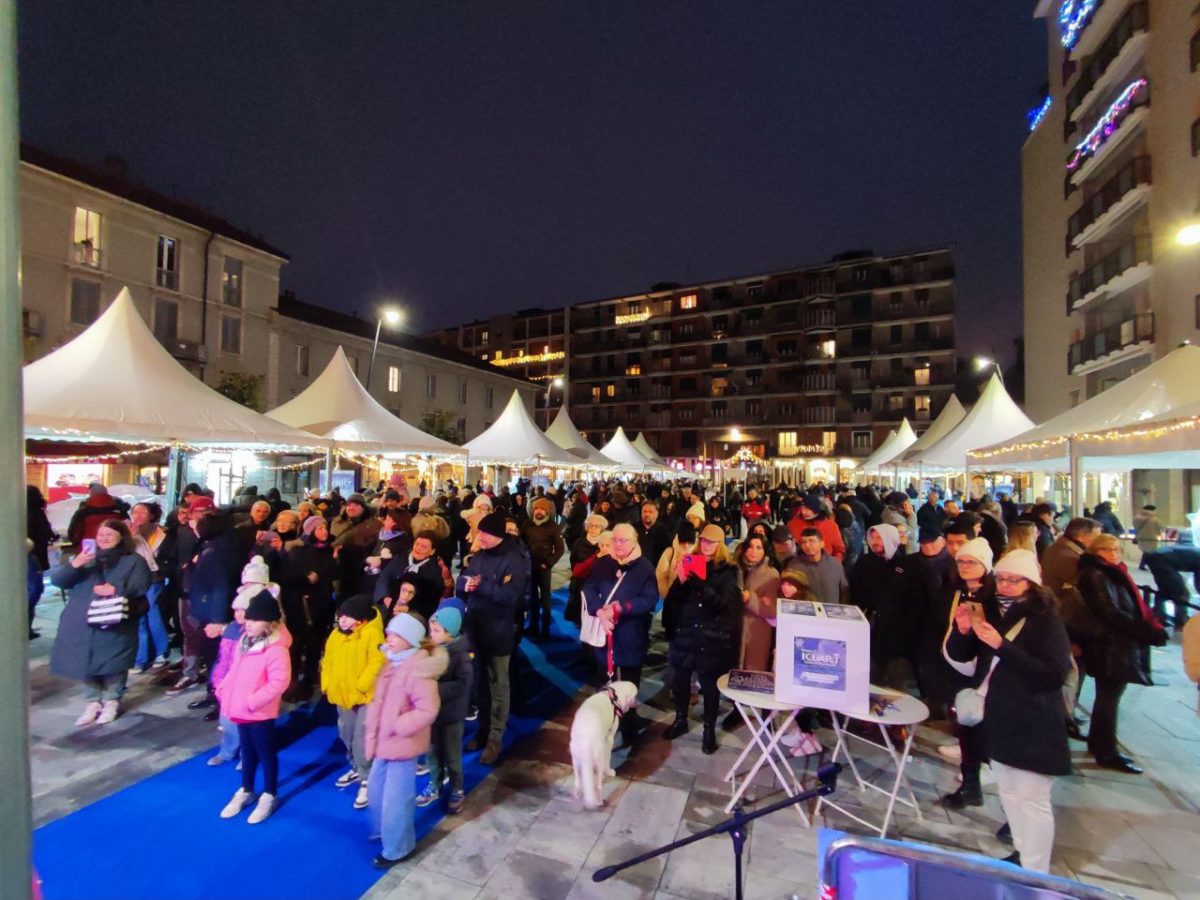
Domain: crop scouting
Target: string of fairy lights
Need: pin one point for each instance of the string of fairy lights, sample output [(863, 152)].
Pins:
[(1127, 433)]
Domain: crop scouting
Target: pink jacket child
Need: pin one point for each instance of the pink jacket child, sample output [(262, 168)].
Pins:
[(404, 706), (251, 689)]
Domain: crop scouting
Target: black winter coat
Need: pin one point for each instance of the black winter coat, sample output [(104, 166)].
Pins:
[(1024, 722), (81, 651), (211, 575), (580, 550), (303, 601), (492, 606), (429, 585), (1114, 653), (703, 621), (653, 540), (454, 687)]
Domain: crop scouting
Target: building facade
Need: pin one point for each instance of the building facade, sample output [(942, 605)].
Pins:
[(1110, 175), (817, 360), (210, 293)]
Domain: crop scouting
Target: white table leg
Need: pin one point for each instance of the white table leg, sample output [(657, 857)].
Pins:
[(901, 760)]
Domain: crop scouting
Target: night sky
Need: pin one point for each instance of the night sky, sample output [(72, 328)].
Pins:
[(467, 159)]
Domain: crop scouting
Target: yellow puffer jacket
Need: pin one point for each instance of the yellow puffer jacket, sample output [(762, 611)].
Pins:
[(352, 662)]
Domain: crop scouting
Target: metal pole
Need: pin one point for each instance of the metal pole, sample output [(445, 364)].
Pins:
[(374, 347), (330, 459), (16, 825)]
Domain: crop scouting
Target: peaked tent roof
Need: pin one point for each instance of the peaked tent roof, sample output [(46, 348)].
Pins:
[(895, 444), (514, 438), (116, 382), (952, 413), (564, 433), (336, 406), (1165, 385), (622, 450), (642, 446), (995, 417), (1170, 441)]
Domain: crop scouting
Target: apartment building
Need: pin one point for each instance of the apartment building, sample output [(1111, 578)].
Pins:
[(817, 360), (210, 293), (1110, 176)]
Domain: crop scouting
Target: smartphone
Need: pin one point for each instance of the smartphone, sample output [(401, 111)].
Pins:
[(695, 565), (88, 545)]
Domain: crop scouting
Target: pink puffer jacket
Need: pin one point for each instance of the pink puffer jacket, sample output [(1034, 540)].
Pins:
[(404, 706), (257, 678)]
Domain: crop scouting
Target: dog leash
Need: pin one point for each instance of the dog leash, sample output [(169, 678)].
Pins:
[(612, 696)]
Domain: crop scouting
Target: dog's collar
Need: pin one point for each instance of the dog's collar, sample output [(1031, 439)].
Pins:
[(612, 698)]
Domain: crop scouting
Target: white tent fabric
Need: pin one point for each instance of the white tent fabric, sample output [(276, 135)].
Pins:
[(895, 444), (1164, 442), (564, 433), (1170, 383), (621, 449), (995, 417), (116, 382), (642, 446), (336, 406), (515, 439), (952, 413), (870, 460)]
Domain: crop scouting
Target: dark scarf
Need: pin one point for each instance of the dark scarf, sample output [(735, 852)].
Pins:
[(1123, 569)]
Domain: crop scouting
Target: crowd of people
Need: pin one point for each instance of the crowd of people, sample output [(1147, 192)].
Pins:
[(405, 612)]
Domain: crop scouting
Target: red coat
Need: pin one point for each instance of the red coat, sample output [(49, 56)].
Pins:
[(830, 534)]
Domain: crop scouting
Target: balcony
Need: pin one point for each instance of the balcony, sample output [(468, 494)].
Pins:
[(1114, 57), (823, 350), (1112, 344), (1093, 26), (1124, 267), (821, 382), (819, 320), (862, 415), (818, 415), (1115, 127), (1121, 193)]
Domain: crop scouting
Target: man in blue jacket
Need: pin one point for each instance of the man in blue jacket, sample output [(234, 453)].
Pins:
[(492, 584)]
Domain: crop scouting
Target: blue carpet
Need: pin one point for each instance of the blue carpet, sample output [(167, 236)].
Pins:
[(161, 839)]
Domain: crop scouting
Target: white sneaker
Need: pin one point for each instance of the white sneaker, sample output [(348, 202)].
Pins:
[(108, 715), (348, 779), (88, 716), (217, 760), (952, 752), (264, 808), (360, 799), (792, 737), (239, 802)]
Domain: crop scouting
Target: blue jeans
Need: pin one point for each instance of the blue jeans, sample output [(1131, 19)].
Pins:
[(391, 799), (230, 742), (152, 628)]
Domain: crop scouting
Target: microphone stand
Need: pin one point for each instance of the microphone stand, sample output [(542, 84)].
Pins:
[(735, 827)]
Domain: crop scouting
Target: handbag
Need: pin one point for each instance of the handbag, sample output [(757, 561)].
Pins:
[(969, 702), (107, 612), (591, 632)]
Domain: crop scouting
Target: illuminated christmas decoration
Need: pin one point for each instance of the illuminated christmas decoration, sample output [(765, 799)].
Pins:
[(1129, 432), (744, 456), (99, 457), (1073, 17), (632, 318), (527, 359), (1108, 123), (1035, 115)]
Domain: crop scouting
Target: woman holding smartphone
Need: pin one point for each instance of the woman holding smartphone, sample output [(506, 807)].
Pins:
[(705, 604), (98, 633)]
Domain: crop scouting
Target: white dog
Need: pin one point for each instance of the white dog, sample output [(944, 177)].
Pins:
[(592, 734)]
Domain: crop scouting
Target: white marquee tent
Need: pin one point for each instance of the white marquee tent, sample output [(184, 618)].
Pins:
[(116, 382), (621, 449), (642, 446), (893, 445), (514, 439), (564, 433), (995, 417), (952, 413), (1164, 442), (337, 407)]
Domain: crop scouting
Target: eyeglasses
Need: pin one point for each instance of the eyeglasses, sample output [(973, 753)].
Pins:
[(1011, 580)]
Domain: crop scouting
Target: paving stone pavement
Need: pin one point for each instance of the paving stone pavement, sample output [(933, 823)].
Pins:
[(522, 835)]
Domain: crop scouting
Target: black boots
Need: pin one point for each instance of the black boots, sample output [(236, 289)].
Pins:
[(969, 794), (708, 742), (677, 728)]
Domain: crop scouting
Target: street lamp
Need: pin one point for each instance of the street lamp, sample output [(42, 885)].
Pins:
[(393, 317), (555, 382), (1188, 235), (982, 362)]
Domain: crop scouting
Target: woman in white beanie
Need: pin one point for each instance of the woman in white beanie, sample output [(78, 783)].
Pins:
[(1022, 649)]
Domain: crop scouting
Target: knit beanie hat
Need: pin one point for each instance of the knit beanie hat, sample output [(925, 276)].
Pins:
[(312, 523), (481, 502), (453, 603), (978, 549), (426, 503), (493, 524), (1019, 562), (256, 571), (408, 627), (547, 506), (263, 608), (798, 579), (450, 619), (201, 502), (357, 498), (359, 607), (696, 511)]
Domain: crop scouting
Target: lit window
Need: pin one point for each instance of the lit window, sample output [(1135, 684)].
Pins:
[(168, 263), (166, 321), (633, 369), (828, 440), (231, 282), (922, 406), (87, 236), (497, 355), (688, 301), (611, 390), (596, 393), (483, 336), (302, 360), (829, 349), (788, 443), (431, 386), (896, 402), (393, 379), (231, 334), (921, 376)]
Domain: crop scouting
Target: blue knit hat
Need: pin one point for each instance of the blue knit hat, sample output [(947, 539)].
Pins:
[(450, 619)]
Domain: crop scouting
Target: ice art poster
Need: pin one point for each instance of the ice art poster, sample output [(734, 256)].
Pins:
[(820, 663)]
